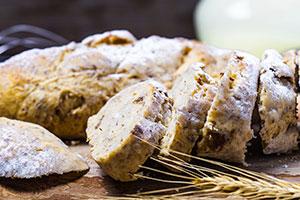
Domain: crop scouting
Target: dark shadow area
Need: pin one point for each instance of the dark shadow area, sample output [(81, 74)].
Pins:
[(117, 188), (41, 183), (254, 146)]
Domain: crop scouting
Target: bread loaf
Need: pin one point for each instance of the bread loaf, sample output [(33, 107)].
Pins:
[(29, 151), (60, 87)]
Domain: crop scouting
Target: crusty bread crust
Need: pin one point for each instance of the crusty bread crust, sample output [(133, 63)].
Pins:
[(154, 57)]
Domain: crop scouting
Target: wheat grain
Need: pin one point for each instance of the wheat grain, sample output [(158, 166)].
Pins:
[(219, 180)]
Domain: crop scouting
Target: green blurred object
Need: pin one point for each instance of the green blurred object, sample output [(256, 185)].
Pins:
[(251, 25)]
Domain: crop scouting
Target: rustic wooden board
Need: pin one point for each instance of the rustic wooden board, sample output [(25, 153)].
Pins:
[(95, 184)]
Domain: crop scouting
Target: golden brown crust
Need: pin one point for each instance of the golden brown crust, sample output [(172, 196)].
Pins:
[(66, 108), (21, 74)]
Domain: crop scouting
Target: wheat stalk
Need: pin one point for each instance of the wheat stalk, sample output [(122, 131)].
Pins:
[(219, 180)]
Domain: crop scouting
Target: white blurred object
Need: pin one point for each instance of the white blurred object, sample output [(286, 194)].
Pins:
[(251, 25)]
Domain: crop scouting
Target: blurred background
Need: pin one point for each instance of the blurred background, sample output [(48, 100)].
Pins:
[(75, 19), (251, 25)]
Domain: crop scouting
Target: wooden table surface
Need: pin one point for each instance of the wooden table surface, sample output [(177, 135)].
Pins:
[(95, 184)]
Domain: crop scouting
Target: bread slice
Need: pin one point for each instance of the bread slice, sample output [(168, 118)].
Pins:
[(192, 92), (29, 151), (228, 124), (277, 105), (122, 132)]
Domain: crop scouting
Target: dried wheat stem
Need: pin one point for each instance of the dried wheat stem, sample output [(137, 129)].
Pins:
[(219, 180)]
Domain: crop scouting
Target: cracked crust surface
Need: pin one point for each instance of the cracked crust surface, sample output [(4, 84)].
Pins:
[(29, 151), (66, 108), (155, 57), (192, 92), (228, 125), (121, 131), (277, 104)]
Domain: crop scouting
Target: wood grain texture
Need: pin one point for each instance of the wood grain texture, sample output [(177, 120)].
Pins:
[(95, 184)]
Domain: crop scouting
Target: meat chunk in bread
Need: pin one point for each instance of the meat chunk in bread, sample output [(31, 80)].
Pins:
[(192, 92), (123, 131), (29, 151), (277, 104), (228, 124)]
